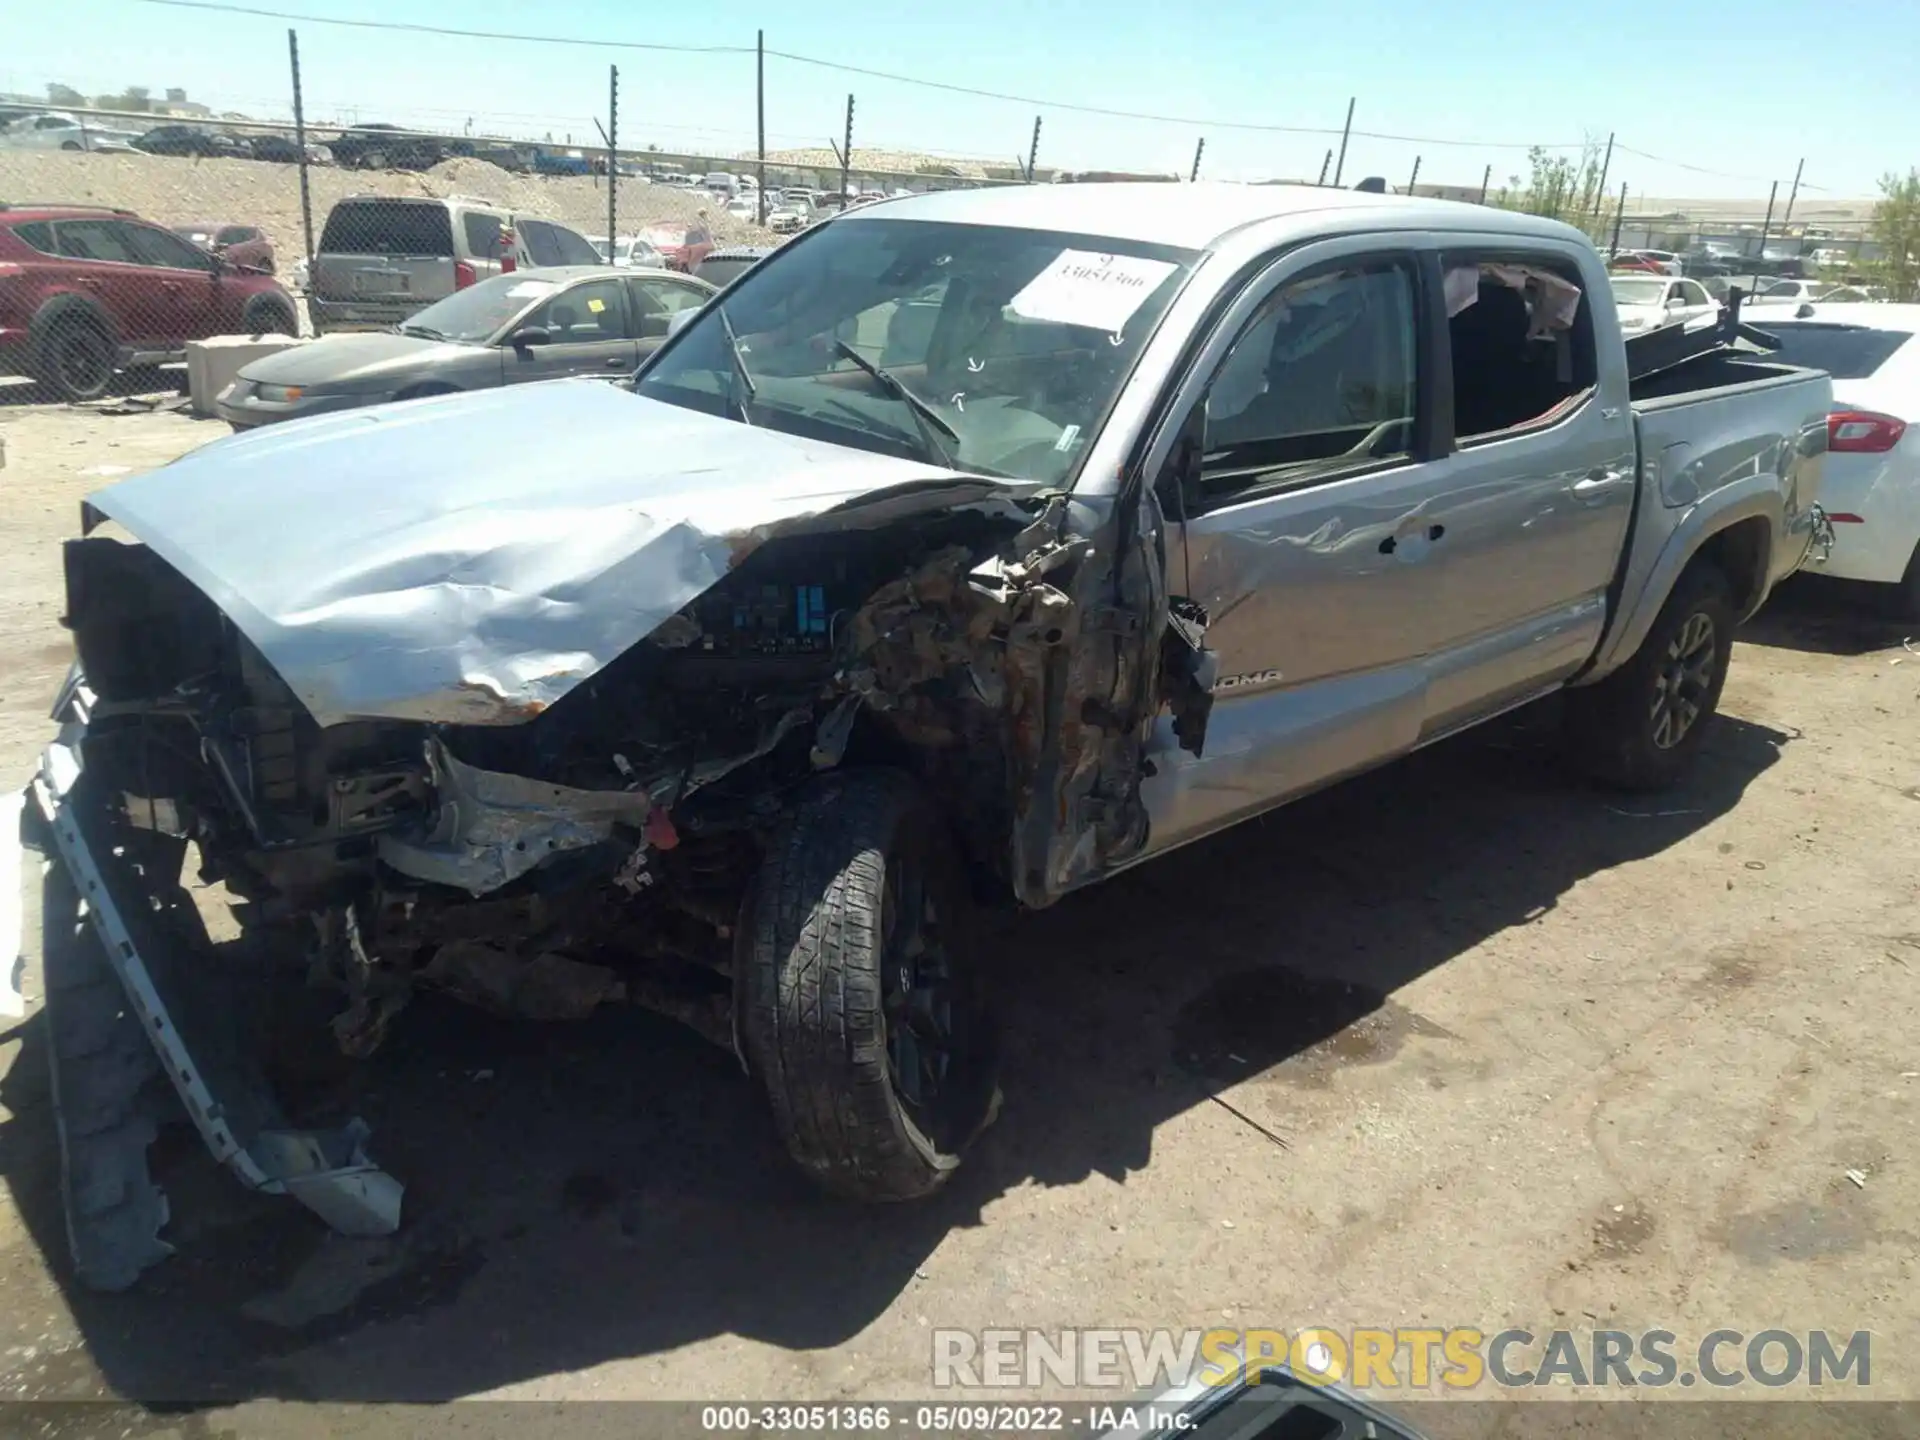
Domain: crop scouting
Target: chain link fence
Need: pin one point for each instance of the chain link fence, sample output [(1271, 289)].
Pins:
[(127, 235)]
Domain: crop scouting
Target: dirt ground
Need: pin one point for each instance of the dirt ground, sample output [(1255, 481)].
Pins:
[(1539, 1056)]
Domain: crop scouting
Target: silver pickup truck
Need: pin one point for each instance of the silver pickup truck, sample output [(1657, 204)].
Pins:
[(972, 545)]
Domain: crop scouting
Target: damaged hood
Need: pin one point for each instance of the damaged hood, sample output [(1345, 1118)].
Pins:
[(470, 560)]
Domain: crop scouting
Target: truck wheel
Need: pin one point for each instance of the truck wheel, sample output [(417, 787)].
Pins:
[(75, 357), (862, 1011), (1639, 728)]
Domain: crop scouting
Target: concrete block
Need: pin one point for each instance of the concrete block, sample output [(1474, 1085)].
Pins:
[(212, 363)]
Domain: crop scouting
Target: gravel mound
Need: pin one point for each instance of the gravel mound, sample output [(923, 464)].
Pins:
[(177, 191)]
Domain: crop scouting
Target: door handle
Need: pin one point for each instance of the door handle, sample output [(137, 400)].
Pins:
[(1598, 481)]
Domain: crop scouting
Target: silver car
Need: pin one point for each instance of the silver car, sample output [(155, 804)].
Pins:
[(574, 320)]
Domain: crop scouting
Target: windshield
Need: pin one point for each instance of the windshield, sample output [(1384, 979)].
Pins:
[(1628, 291), (1011, 342), (477, 312), (1846, 352)]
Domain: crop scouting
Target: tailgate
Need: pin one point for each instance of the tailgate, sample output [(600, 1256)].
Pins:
[(385, 251), (403, 279)]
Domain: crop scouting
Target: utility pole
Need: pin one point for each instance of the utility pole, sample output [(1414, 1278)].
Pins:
[(1414, 178), (760, 114), (1618, 216), (846, 150), (1486, 178), (1345, 130), (300, 142), (1600, 190), (613, 161), (1792, 195), (1766, 225), (1199, 149), (1325, 161), (1033, 150)]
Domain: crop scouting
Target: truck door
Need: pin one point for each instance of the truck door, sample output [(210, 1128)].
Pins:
[(1308, 535), (1538, 482)]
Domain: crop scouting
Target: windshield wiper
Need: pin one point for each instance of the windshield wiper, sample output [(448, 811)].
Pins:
[(742, 378), (426, 332), (929, 421)]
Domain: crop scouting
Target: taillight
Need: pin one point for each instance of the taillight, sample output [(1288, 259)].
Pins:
[(463, 275), (1863, 432)]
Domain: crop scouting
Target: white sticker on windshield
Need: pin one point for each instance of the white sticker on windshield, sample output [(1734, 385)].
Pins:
[(1085, 287), (529, 287)]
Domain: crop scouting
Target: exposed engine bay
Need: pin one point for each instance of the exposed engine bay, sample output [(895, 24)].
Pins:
[(601, 850)]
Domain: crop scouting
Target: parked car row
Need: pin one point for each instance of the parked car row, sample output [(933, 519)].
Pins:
[(63, 130), (89, 291)]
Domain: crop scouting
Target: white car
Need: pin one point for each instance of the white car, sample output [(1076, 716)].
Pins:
[(58, 130), (790, 218), (1870, 482), (1789, 292), (629, 251), (1646, 302)]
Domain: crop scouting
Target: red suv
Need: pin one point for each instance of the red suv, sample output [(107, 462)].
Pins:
[(87, 291)]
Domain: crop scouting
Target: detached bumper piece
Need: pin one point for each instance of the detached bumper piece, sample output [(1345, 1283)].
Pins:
[(116, 969)]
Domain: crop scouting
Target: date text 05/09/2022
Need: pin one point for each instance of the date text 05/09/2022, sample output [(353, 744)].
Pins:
[(937, 1419)]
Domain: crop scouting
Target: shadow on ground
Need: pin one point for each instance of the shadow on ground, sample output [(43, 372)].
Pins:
[(1824, 616), (614, 1189)]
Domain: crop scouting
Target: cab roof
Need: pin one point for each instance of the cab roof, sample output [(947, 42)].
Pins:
[(1190, 215)]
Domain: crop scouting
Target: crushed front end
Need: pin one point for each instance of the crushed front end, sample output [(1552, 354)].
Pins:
[(595, 849)]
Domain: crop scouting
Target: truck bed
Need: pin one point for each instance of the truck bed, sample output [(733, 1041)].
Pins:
[(1706, 431)]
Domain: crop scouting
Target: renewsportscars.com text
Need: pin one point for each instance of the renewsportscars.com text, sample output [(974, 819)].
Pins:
[(1403, 1358)]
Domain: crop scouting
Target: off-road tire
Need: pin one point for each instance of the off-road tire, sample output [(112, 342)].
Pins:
[(814, 1013), (264, 315), (74, 356), (1612, 726)]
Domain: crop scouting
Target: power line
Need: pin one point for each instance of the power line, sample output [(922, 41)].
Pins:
[(449, 30), (1210, 123), (1200, 122), (1697, 169)]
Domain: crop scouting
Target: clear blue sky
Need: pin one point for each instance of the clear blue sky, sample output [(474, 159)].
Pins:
[(1498, 76)]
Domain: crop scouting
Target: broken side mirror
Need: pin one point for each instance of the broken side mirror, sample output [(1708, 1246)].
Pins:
[(679, 320), (528, 336)]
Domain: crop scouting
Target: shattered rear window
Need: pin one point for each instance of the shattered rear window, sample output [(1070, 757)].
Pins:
[(388, 227)]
